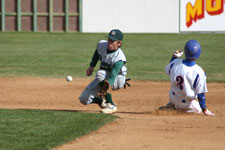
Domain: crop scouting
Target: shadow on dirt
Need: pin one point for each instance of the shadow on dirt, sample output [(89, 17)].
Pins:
[(155, 112)]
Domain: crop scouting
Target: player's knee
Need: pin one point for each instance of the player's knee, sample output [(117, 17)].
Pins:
[(120, 85), (101, 75), (83, 100), (117, 85)]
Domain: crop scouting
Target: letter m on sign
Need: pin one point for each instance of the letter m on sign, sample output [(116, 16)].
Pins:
[(194, 12)]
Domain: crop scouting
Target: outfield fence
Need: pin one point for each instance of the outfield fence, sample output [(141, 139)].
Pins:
[(40, 15)]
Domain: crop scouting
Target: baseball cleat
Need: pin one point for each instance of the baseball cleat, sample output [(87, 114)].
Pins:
[(109, 109), (103, 104), (169, 106)]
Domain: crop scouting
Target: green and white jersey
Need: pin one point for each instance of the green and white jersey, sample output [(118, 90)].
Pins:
[(109, 59)]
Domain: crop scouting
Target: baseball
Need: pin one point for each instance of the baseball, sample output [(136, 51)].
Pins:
[(69, 78)]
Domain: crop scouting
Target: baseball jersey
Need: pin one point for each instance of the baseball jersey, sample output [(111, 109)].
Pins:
[(186, 81), (109, 59)]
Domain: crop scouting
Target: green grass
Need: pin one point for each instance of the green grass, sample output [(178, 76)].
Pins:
[(61, 54), (43, 130)]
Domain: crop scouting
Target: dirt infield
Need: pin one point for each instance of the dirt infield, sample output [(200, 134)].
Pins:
[(139, 127)]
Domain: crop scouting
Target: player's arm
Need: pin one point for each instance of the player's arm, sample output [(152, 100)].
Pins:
[(201, 88), (93, 63), (115, 71), (175, 55), (94, 59), (201, 99)]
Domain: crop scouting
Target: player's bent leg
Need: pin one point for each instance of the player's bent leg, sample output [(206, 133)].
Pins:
[(119, 82), (111, 106), (108, 99), (89, 93), (93, 99), (194, 107), (101, 75), (84, 99), (189, 106)]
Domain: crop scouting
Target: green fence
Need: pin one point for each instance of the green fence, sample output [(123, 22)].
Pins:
[(65, 16)]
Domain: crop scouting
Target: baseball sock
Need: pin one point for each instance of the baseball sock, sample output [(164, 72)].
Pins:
[(97, 100), (108, 98)]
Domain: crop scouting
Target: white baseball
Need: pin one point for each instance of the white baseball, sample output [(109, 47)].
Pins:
[(69, 78)]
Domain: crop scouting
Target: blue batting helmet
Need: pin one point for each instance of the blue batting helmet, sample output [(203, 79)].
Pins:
[(192, 50)]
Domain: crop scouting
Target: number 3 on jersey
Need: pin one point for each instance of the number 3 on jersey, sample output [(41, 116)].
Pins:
[(179, 82)]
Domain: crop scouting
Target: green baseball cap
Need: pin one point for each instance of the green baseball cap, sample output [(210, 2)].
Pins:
[(115, 35)]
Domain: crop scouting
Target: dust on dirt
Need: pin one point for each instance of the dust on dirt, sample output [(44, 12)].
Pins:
[(139, 125)]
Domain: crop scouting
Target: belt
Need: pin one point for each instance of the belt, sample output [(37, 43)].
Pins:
[(105, 69)]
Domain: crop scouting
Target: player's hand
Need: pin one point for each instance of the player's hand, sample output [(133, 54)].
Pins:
[(178, 53), (208, 113), (89, 71)]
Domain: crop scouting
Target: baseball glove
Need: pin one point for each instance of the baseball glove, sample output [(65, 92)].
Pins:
[(105, 88)]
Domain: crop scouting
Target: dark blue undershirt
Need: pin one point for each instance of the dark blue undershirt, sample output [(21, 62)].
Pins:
[(188, 62)]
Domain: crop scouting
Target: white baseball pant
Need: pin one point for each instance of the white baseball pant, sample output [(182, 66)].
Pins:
[(92, 89), (185, 105)]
